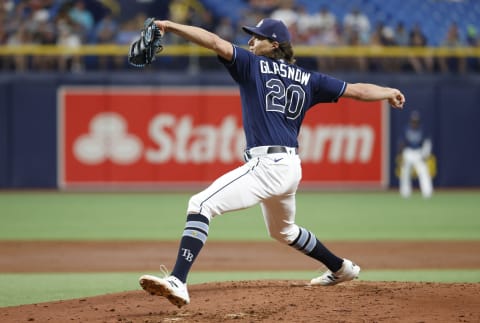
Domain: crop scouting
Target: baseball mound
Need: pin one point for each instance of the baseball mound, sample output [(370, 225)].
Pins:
[(253, 301), (271, 301)]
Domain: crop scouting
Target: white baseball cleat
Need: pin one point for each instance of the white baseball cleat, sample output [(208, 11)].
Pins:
[(348, 271), (170, 287)]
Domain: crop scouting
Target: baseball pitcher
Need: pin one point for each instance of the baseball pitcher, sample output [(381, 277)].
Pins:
[(275, 94)]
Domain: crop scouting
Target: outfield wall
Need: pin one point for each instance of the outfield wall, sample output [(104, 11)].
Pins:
[(29, 120)]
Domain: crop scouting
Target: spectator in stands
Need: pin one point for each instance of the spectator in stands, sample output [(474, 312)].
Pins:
[(351, 37), (106, 29), (359, 24), (401, 38), (382, 36), (6, 6), (249, 17), (401, 34), (71, 40), (184, 11), (15, 18), (355, 32), (423, 63), (225, 29), (39, 12), (473, 40), (83, 18), (203, 19), (45, 35), (323, 20), (324, 31), (452, 63), (20, 37), (190, 12), (29, 20), (263, 7), (42, 30), (128, 30), (286, 12), (106, 33), (304, 20)]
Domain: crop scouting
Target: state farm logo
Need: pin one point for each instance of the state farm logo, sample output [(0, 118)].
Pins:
[(337, 143), (179, 139), (108, 139)]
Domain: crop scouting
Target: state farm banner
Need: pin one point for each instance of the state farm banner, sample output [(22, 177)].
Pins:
[(184, 137)]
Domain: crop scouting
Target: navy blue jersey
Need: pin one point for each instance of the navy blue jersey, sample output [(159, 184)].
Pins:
[(413, 137), (276, 95)]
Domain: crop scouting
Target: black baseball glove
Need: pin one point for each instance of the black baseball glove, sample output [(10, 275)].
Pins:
[(143, 50)]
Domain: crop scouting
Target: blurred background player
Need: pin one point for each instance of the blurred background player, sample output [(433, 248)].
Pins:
[(415, 149)]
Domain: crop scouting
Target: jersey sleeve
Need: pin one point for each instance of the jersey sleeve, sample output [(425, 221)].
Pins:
[(327, 88), (240, 65)]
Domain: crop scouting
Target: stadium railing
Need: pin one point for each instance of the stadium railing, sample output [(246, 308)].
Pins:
[(300, 51)]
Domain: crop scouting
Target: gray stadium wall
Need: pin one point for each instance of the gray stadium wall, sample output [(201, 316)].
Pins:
[(28, 119)]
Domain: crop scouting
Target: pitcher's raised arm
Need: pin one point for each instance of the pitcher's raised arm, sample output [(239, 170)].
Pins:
[(198, 36)]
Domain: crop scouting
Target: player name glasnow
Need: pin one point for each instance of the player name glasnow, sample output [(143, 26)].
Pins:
[(285, 70)]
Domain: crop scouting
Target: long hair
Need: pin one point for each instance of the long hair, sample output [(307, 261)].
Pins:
[(285, 52)]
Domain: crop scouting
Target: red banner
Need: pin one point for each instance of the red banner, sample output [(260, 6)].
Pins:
[(189, 136)]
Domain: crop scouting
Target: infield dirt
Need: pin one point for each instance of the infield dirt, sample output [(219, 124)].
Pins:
[(253, 301)]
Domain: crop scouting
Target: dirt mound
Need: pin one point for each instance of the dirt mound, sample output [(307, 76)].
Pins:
[(270, 301)]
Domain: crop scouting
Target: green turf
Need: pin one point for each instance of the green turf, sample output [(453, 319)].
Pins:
[(161, 216), (20, 289)]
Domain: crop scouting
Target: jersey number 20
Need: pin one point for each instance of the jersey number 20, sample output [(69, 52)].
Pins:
[(288, 100)]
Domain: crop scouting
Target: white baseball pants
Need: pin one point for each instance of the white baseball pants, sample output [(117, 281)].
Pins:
[(414, 158), (271, 180)]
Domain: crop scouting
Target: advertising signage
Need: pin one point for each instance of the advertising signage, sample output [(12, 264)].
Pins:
[(129, 137)]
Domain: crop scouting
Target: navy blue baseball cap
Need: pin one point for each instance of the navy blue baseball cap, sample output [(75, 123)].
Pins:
[(271, 29)]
